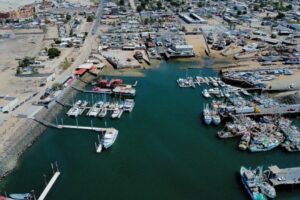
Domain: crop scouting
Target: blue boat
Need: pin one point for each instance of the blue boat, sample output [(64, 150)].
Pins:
[(25, 196)]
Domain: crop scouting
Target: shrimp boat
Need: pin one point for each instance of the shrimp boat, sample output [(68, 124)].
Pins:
[(207, 115), (251, 182), (268, 190)]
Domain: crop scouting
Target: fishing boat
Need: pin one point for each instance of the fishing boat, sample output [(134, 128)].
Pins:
[(216, 119), (245, 140), (207, 115), (25, 196), (103, 113), (206, 94), (109, 137), (263, 144), (251, 181), (268, 190)]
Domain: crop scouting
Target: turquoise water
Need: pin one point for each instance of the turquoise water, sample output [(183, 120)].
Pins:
[(163, 151)]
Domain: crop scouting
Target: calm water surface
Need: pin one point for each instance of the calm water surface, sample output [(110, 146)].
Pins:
[(163, 150)]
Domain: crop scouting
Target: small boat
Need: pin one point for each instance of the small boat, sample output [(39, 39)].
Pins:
[(25, 196), (206, 94), (103, 113), (116, 113)]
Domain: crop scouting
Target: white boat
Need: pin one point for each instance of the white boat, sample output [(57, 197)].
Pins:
[(206, 94), (95, 109), (214, 83), (109, 137), (73, 112), (103, 113), (207, 115), (128, 105), (216, 119), (116, 113)]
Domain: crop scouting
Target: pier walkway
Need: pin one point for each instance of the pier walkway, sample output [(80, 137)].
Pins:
[(287, 176), (91, 128), (283, 109), (49, 185)]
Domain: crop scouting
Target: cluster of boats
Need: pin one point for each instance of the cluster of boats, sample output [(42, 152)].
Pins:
[(257, 184), (198, 80), (100, 109), (211, 116), (78, 108), (264, 135), (255, 78), (226, 91)]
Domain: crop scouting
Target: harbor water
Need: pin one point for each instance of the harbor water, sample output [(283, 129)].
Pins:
[(163, 150)]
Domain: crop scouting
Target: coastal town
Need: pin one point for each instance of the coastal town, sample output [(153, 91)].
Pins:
[(85, 66)]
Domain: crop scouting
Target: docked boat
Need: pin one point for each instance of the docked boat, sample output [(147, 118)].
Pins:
[(263, 144), (73, 112), (245, 140), (207, 115), (95, 109), (109, 137), (216, 119), (103, 113), (128, 105), (116, 113), (206, 94), (250, 181), (268, 190), (25, 196)]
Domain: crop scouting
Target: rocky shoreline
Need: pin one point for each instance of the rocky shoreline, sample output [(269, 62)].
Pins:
[(31, 130)]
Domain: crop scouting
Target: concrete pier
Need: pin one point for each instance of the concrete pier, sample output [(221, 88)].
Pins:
[(49, 185), (287, 176)]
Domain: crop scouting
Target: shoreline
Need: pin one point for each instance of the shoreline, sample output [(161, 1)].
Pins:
[(32, 130)]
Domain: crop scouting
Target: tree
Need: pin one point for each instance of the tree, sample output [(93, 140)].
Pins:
[(53, 52), (90, 19), (280, 15), (68, 17), (139, 8), (159, 4), (121, 2), (289, 7), (238, 13)]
